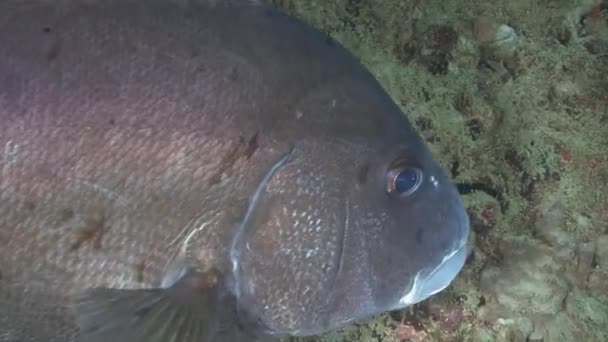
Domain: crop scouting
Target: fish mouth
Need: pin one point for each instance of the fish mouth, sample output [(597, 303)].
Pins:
[(435, 281), (444, 274)]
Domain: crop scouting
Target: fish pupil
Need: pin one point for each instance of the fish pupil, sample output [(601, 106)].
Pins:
[(407, 180)]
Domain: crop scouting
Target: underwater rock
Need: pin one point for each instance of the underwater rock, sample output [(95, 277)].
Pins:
[(506, 330), (585, 254), (584, 319), (601, 254), (598, 282), (499, 40), (505, 41), (484, 29), (550, 226), (510, 333), (431, 48), (436, 46), (588, 25), (529, 280), (536, 336), (598, 277), (567, 86), (595, 24)]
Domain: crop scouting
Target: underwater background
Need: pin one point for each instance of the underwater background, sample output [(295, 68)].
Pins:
[(512, 97)]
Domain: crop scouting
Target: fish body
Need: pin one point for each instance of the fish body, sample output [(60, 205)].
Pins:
[(169, 166)]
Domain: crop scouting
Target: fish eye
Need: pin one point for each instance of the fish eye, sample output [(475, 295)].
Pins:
[(403, 181)]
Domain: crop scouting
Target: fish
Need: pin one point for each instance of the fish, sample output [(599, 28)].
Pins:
[(197, 170)]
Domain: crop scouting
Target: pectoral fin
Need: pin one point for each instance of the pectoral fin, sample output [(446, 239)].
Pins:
[(184, 312)]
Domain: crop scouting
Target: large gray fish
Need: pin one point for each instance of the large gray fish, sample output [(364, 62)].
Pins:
[(174, 170)]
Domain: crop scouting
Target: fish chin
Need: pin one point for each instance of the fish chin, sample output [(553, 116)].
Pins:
[(426, 285)]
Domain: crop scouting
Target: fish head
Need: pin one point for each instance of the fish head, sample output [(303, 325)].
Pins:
[(346, 229), (357, 218), (410, 230)]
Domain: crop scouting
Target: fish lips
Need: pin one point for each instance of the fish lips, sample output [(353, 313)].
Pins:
[(428, 283)]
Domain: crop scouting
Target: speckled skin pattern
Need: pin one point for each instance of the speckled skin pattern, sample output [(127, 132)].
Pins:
[(135, 133)]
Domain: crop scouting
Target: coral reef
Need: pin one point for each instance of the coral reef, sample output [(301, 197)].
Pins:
[(512, 97)]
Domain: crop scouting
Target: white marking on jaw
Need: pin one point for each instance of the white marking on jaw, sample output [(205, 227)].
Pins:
[(434, 181), (410, 297), (443, 261), (449, 256)]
